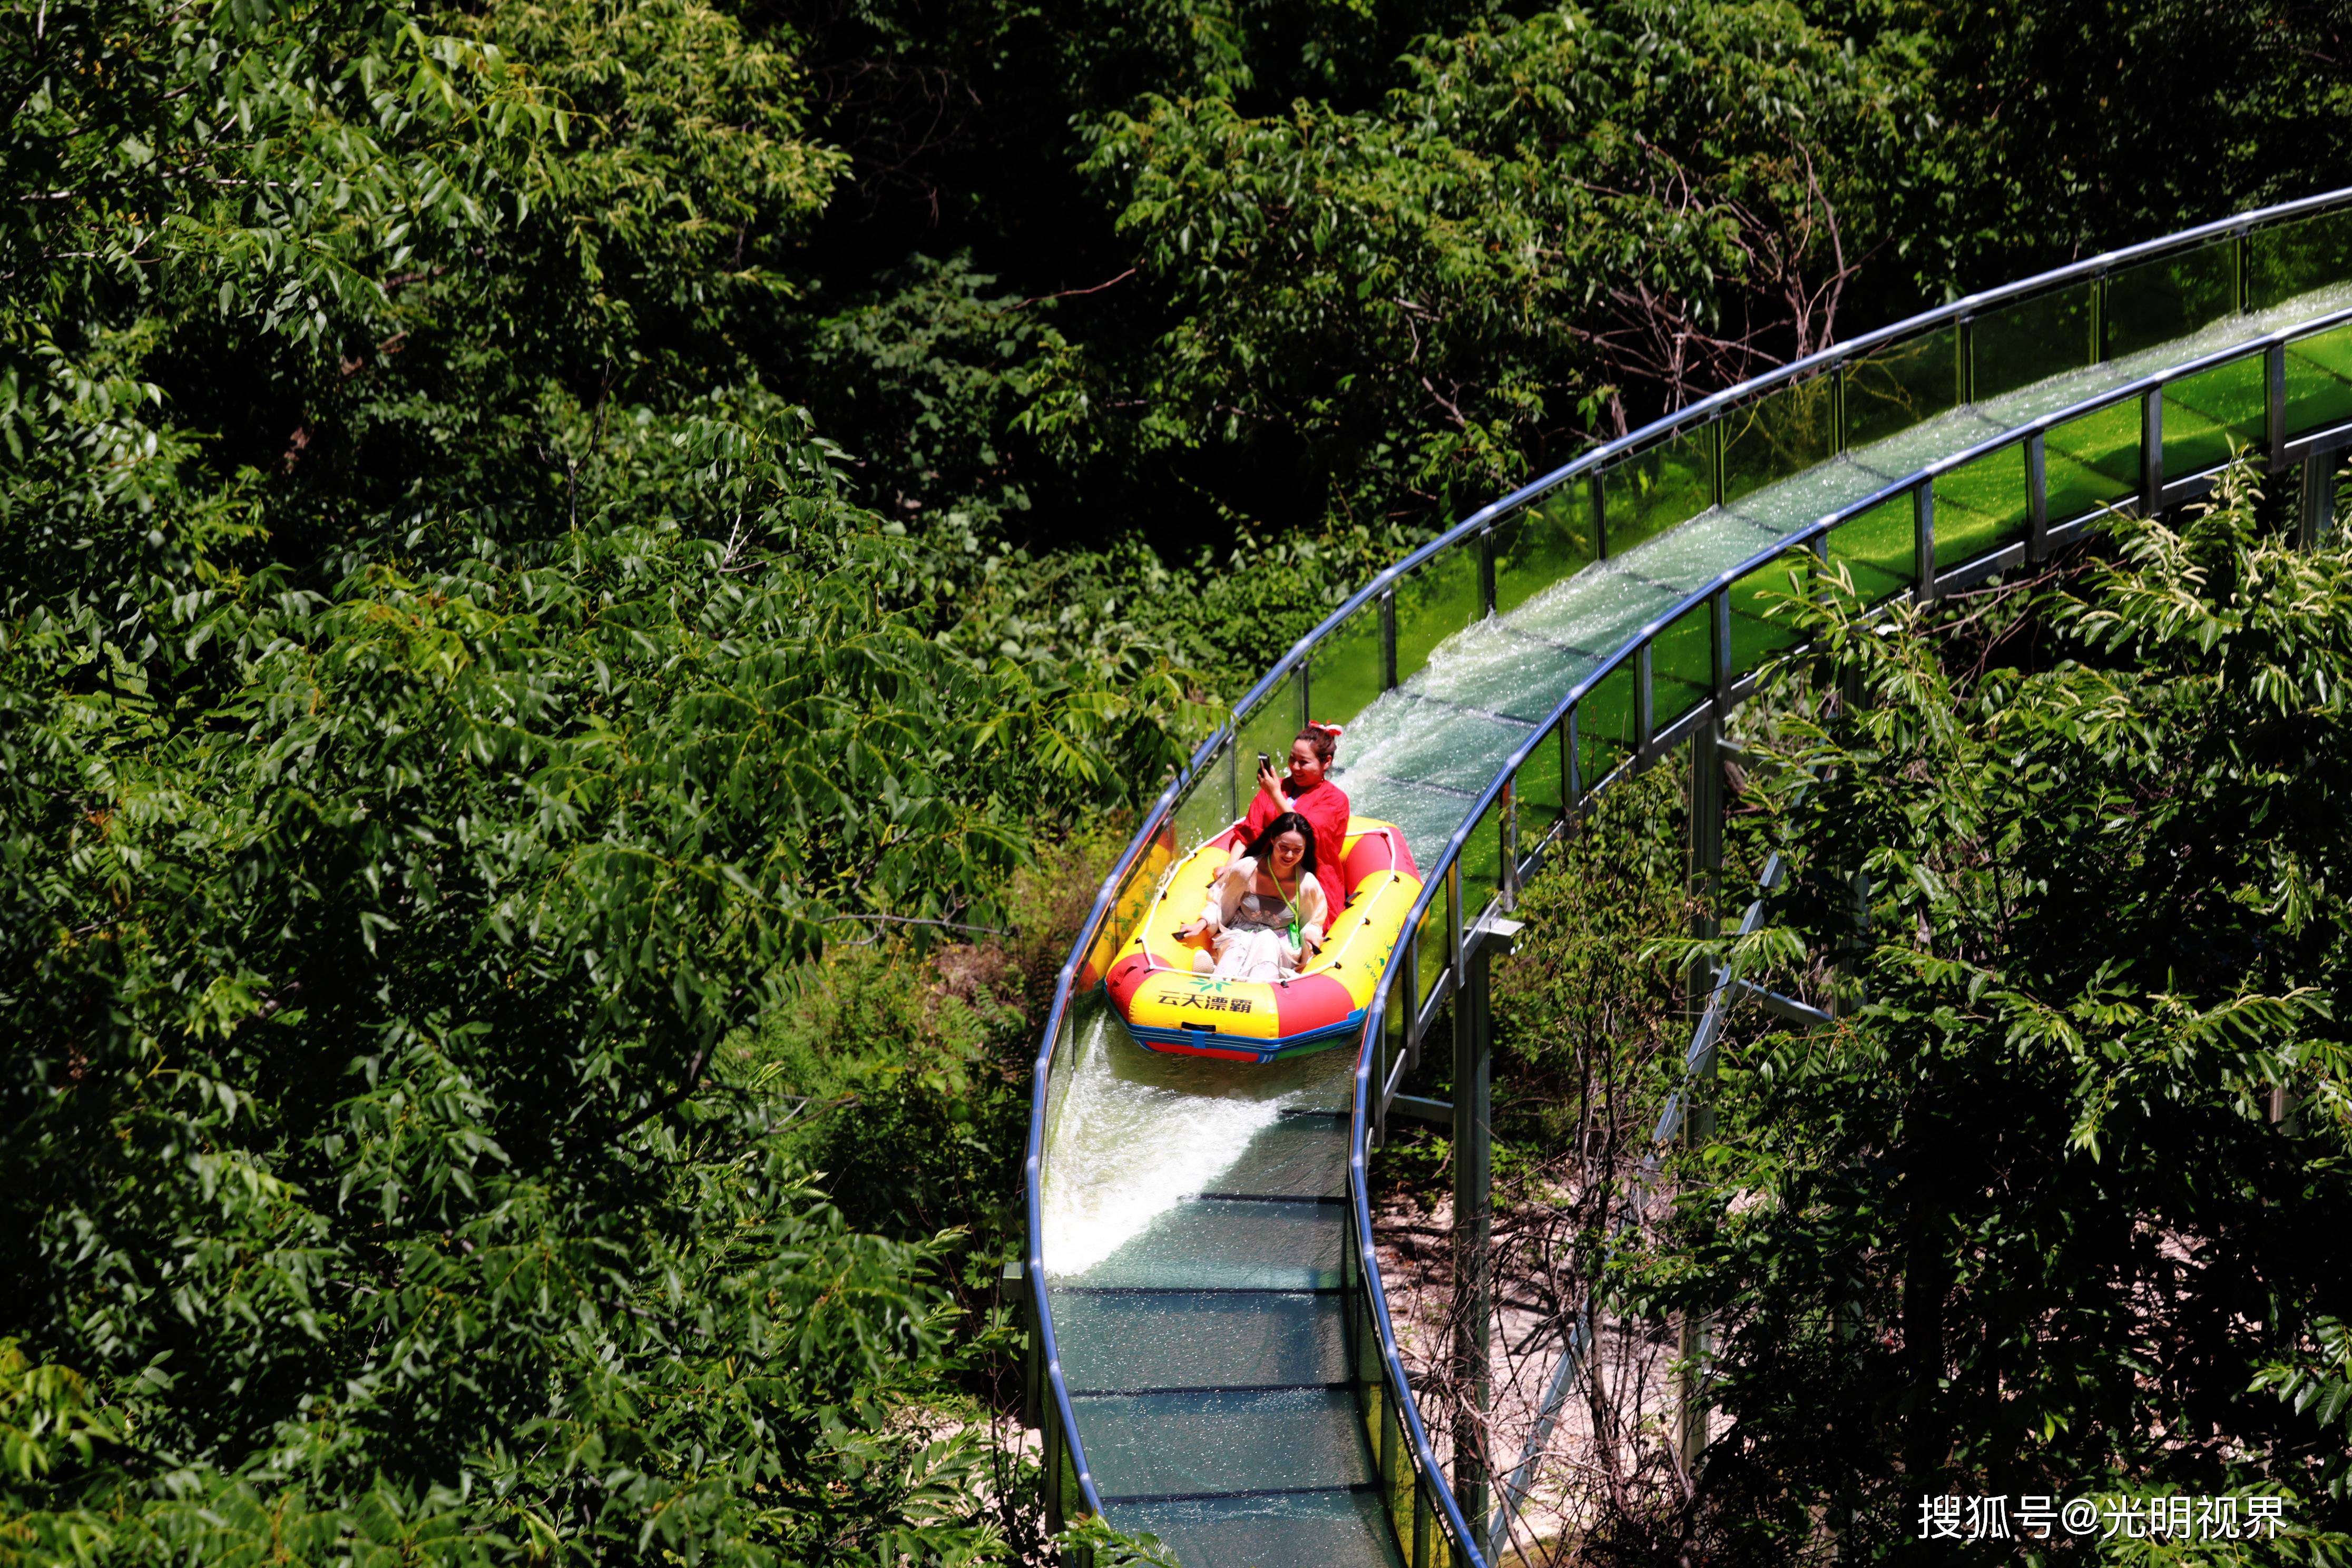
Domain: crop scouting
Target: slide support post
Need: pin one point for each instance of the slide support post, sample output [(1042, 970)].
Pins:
[(1473, 1188), (1706, 834), (2318, 511), (1698, 1120)]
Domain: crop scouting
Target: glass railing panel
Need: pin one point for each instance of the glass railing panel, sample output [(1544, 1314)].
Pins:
[(1645, 494), (2170, 297), (1363, 1361), (1895, 386), (1779, 435), (1396, 1473), (1482, 862), (1396, 1020), (1435, 600), (1605, 734), (2032, 340), (1441, 1545), (2091, 462), (2319, 381), (1981, 506), (2209, 415), (1061, 1068), (1763, 616), (1363, 1354), (1541, 790), (1073, 1495), (1878, 550), (1432, 945), (2291, 258), (1549, 538), (1127, 906), (1682, 664), (1349, 668), (1207, 806), (1268, 728)]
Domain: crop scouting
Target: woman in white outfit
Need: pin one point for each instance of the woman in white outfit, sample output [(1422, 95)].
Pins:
[(1265, 911)]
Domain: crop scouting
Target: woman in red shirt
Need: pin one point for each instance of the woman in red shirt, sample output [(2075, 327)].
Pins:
[(1312, 796)]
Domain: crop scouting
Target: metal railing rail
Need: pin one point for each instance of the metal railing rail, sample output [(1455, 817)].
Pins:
[(1611, 721), (1064, 1454), (1697, 415)]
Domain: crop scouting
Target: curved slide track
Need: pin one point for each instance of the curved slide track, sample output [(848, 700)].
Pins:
[(1215, 1359)]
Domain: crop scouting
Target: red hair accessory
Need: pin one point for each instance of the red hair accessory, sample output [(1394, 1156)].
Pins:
[(1331, 729)]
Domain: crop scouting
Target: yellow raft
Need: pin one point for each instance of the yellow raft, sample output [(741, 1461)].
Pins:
[(1171, 1008)]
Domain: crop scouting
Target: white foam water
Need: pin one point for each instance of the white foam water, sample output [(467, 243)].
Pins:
[(1138, 1132)]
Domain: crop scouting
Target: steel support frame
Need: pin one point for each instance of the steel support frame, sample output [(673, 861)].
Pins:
[(1474, 1203), (1923, 539), (1705, 823), (2315, 508), (1012, 1290)]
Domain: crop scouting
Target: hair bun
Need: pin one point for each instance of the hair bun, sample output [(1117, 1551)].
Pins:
[(1331, 729)]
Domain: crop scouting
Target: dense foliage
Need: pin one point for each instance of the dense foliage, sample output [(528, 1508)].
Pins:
[(419, 760), (1432, 301), (1241, 277), (1333, 311), (2055, 1207)]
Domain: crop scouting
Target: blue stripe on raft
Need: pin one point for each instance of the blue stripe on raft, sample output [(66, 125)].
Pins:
[(1235, 1047)]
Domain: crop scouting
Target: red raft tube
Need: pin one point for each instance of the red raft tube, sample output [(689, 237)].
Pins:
[(1171, 1008)]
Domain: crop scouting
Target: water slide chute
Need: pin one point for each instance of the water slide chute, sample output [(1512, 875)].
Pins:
[(1217, 1363), (1169, 1007)]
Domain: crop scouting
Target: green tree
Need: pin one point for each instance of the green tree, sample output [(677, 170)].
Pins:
[(1431, 301), (442, 696), (2071, 128), (2026, 1220), (368, 955)]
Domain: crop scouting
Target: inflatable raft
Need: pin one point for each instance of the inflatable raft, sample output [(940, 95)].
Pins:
[(1171, 1008)]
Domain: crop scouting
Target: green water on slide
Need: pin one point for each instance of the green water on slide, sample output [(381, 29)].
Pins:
[(1194, 1210)]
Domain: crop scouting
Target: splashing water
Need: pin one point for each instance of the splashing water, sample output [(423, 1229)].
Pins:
[(1138, 1132)]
